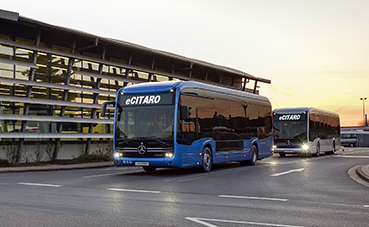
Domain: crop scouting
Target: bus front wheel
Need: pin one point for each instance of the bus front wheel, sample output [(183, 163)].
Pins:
[(254, 156), (207, 160)]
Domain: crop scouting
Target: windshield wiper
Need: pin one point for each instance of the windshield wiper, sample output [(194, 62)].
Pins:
[(123, 142), (299, 135), (152, 138)]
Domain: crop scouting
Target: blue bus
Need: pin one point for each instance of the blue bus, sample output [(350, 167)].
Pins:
[(189, 124)]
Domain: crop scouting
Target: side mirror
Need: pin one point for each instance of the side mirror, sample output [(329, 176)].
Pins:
[(184, 113), (103, 107)]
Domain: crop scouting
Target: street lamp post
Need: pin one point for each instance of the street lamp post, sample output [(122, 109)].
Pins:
[(364, 120)]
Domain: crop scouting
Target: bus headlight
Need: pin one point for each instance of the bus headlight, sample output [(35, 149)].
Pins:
[(169, 155), (305, 147), (118, 154)]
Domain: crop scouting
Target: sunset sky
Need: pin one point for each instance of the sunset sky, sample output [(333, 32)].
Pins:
[(315, 52)]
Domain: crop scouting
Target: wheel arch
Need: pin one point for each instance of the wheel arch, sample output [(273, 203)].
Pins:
[(211, 145)]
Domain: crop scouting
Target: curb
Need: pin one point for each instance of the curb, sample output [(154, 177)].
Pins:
[(363, 172), (56, 167)]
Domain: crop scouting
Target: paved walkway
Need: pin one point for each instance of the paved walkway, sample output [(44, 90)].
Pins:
[(55, 167), (363, 172)]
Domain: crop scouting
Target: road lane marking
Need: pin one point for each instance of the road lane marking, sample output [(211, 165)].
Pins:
[(346, 156), (287, 172), (132, 190), (40, 185), (366, 206), (108, 174), (292, 161), (205, 222), (188, 179), (199, 220), (201, 175), (251, 197)]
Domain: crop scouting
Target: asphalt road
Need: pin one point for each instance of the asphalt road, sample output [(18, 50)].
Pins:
[(290, 191)]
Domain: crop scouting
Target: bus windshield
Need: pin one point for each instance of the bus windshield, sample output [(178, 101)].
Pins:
[(145, 122), (290, 129)]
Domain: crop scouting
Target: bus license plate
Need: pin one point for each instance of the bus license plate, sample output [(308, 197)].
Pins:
[(141, 163)]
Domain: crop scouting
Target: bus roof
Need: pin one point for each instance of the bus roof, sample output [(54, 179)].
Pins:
[(165, 86), (150, 87), (209, 88)]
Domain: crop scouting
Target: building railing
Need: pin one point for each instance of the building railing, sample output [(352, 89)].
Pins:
[(35, 135)]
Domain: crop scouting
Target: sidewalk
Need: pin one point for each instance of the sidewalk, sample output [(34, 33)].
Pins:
[(53, 167), (363, 172)]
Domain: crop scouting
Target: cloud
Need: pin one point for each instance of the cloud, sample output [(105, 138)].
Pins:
[(282, 91)]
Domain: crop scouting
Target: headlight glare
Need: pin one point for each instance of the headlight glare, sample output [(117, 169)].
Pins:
[(118, 154)]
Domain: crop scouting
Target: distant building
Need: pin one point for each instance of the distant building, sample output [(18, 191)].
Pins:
[(53, 81), (355, 136), (348, 128)]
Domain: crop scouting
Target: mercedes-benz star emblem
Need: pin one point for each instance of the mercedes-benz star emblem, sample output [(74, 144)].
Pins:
[(141, 149), (289, 144)]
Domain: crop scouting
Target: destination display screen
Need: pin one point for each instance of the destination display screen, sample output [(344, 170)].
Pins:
[(289, 117), (146, 99)]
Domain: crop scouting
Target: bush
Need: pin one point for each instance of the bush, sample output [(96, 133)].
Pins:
[(4, 163), (81, 159), (86, 158), (93, 158)]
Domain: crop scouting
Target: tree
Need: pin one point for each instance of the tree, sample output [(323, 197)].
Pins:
[(361, 123)]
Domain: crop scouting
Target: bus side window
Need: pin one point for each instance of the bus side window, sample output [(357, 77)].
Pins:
[(186, 123), (312, 129), (184, 114)]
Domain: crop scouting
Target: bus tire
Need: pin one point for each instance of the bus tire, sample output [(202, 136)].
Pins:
[(207, 160), (254, 155), (149, 168)]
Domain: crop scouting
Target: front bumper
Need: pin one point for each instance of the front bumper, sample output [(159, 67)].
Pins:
[(158, 162), (291, 150)]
